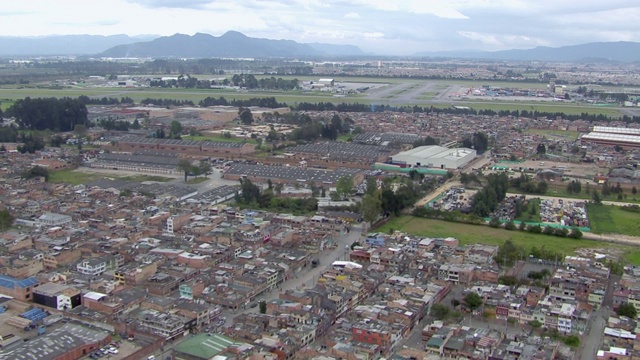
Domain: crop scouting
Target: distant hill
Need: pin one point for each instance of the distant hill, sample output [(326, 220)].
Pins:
[(231, 44), (622, 51), (63, 44)]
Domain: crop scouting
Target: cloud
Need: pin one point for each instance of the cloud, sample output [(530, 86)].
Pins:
[(352, 15), (178, 4)]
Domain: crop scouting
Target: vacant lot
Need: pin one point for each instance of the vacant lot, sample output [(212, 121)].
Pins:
[(471, 234), (608, 219), (556, 134), (82, 177)]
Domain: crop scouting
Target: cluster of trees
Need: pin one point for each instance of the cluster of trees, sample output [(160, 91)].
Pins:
[(120, 125), (478, 141), (48, 113), (527, 185), (245, 115), (627, 309), (486, 200), (574, 187), (167, 102), (35, 172), (6, 219), (508, 253), (310, 130), (250, 82), (608, 190), (426, 142), (105, 100), (342, 107), (252, 195), (30, 143), (8, 134), (267, 102), (393, 196), (188, 168)]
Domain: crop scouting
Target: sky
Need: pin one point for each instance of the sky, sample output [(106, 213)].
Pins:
[(384, 27)]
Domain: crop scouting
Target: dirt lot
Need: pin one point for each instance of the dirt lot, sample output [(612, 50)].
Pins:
[(570, 169)]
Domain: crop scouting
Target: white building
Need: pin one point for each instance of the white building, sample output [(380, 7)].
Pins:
[(435, 157), (51, 219)]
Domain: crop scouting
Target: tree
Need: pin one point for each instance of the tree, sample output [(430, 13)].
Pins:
[(473, 300), (175, 130), (371, 208), (80, 130), (634, 190), (597, 199), (185, 166), (37, 171), (204, 167), (535, 324), (541, 149), (439, 311), (246, 117), (263, 307), (628, 310), (575, 234), (6, 219), (344, 186), (372, 185)]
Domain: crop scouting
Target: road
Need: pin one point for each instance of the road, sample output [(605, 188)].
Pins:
[(311, 276), (594, 331)]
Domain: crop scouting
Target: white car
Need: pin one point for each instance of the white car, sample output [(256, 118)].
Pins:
[(113, 350)]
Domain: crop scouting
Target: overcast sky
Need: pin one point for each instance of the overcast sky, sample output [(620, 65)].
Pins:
[(379, 26)]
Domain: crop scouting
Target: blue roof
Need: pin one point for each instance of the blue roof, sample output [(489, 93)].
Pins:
[(8, 282)]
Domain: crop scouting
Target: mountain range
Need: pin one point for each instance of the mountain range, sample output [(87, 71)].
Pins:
[(234, 44), (64, 44), (622, 51), (231, 44)]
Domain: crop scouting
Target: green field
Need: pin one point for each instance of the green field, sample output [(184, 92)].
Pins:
[(574, 109), (608, 219), (559, 189), (77, 177), (555, 134), (471, 234), (194, 95), (5, 104)]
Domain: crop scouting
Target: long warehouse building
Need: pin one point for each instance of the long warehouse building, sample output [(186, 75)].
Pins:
[(435, 157), (627, 138)]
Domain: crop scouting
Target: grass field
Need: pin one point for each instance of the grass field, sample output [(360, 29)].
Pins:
[(5, 104), (559, 189), (471, 234), (574, 109), (607, 219), (77, 177), (194, 95), (555, 134)]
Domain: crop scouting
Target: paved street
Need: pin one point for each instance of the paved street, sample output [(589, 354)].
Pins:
[(310, 276), (591, 342)]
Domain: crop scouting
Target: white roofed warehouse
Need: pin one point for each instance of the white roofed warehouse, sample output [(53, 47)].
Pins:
[(435, 157)]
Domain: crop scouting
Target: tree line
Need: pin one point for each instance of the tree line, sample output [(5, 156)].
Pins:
[(266, 102), (487, 199), (125, 100), (49, 113)]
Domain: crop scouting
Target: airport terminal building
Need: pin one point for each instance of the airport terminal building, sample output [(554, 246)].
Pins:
[(434, 157)]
